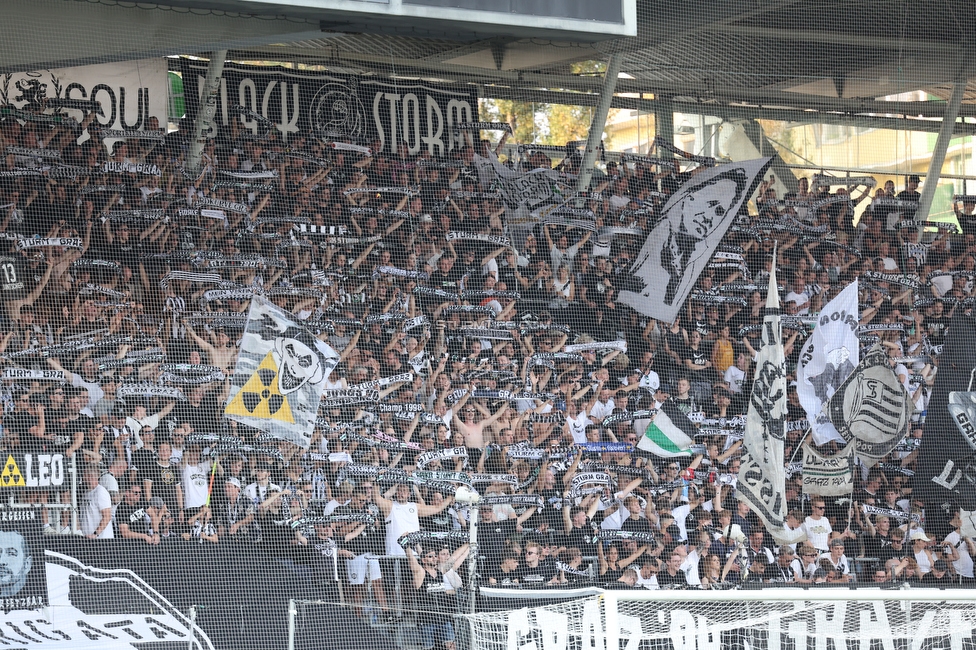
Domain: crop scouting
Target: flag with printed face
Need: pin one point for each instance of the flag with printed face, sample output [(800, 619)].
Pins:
[(280, 375), (693, 223), (828, 358), (762, 475), (669, 434)]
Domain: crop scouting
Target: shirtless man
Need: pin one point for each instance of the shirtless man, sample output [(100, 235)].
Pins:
[(223, 354), (474, 432)]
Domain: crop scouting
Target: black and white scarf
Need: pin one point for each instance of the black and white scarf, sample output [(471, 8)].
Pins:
[(453, 453), (409, 191)]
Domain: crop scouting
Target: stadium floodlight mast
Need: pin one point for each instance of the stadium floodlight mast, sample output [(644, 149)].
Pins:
[(467, 496)]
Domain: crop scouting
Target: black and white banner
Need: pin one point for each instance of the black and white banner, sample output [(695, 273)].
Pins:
[(37, 242), (451, 454), (694, 221), (827, 359), (25, 374), (872, 408), (127, 93), (828, 475), (280, 375), (762, 479), (424, 116)]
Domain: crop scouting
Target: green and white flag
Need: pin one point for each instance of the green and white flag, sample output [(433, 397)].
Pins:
[(669, 434)]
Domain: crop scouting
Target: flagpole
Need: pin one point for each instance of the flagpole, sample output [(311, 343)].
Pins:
[(799, 444)]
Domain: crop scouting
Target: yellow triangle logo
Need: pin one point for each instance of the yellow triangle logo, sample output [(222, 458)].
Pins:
[(260, 397), (11, 476)]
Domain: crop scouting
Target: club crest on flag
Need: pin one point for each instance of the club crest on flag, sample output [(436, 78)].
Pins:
[(872, 408)]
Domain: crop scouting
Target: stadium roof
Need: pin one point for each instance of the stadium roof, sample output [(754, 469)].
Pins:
[(801, 60)]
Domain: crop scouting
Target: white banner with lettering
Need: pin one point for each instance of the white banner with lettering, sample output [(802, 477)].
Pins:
[(128, 93)]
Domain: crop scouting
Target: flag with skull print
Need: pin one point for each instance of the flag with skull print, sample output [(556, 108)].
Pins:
[(280, 375)]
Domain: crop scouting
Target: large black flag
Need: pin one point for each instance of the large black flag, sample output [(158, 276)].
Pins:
[(946, 473)]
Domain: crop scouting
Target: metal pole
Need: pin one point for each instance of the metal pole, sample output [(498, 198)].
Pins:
[(193, 626), (938, 156), (595, 136), (664, 123), (473, 560), (74, 493), (208, 107), (292, 614)]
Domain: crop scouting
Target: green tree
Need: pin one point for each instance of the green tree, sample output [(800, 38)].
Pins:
[(551, 124)]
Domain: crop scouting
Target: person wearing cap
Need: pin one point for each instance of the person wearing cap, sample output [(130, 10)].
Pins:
[(262, 494), (939, 575), (839, 561), (921, 551), (237, 512), (133, 515)]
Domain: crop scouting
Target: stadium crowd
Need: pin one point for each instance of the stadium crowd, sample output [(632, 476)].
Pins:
[(129, 278)]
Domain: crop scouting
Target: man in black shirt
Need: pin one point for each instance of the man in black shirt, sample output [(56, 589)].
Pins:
[(493, 536), (878, 541), (446, 276), (505, 574), (672, 574), (578, 530), (939, 575), (133, 515), (536, 572)]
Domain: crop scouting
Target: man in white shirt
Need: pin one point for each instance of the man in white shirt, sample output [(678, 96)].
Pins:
[(839, 561), (965, 548), (816, 525), (798, 294), (96, 513), (735, 375), (139, 420), (647, 576), (604, 405), (110, 481), (87, 379), (196, 475)]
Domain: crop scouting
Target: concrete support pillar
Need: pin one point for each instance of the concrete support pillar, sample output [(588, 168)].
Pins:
[(208, 107), (595, 136)]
